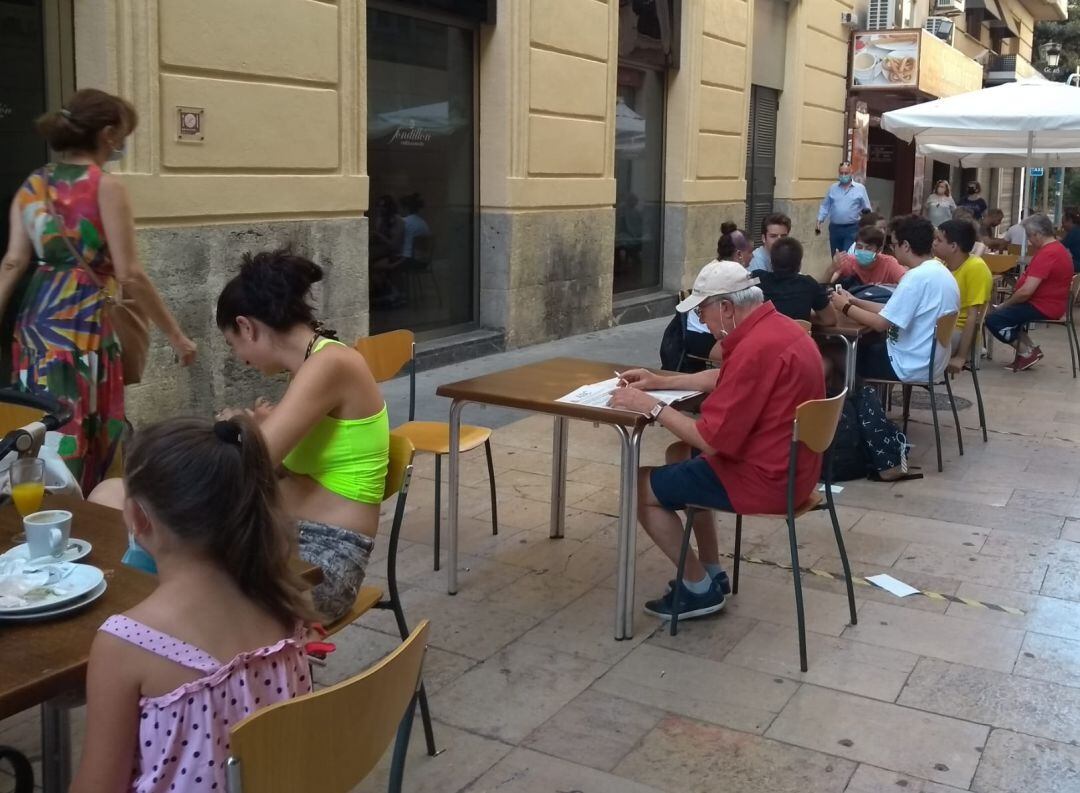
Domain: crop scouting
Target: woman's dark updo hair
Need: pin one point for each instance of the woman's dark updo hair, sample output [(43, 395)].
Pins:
[(272, 287), (76, 126), (727, 227)]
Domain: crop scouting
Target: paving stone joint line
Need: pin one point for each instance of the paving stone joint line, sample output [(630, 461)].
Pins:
[(859, 581)]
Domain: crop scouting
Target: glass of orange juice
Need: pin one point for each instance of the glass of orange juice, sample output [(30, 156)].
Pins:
[(27, 476)]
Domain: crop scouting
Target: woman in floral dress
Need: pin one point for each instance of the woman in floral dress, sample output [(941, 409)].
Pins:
[(64, 340)]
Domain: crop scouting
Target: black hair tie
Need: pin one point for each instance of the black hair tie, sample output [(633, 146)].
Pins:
[(227, 432)]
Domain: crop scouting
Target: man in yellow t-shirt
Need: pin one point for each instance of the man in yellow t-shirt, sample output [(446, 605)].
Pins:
[(953, 242)]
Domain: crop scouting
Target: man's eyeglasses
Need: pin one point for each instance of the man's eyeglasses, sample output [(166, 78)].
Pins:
[(699, 309)]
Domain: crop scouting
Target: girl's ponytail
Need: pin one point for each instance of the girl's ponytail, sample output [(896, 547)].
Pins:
[(213, 485)]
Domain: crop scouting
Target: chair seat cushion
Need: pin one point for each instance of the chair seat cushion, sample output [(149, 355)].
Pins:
[(814, 501), (433, 437)]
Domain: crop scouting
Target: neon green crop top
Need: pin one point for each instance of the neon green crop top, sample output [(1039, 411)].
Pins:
[(346, 456)]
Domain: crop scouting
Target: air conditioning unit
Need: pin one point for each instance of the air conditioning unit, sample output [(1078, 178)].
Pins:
[(885, 14), (941, 27), (947, 7)]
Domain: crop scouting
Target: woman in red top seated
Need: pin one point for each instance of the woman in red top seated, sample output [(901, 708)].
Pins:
[(868, 265), (1041, 293)]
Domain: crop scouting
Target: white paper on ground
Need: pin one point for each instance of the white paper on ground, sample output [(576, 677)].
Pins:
[(597, 395), (835, 488), (892, 585)]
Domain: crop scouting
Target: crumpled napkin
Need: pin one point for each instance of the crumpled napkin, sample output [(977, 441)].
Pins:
[(22, 584)]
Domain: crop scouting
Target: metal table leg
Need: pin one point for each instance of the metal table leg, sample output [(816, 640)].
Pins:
[(626, 551), (452, 505), (558, 478), (55, 747), (850, 362)]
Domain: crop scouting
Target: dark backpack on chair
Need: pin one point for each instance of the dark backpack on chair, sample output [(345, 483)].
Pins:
[(673, 343)]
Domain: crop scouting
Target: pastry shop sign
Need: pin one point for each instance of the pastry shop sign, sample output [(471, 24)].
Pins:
[(885, 59)]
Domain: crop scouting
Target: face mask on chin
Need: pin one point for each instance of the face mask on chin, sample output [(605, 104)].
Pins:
[(118, 154), (138, 557)]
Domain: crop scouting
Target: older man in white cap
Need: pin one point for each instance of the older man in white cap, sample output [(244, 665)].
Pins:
[(735, 456)]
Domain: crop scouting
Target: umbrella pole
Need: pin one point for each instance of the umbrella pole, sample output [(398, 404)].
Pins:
[(1025, 180)]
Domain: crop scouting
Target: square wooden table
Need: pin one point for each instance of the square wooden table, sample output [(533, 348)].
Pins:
[(45, 662), (535, 388)]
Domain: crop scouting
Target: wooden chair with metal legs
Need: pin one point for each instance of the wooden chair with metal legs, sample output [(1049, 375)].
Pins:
[(331, 740), (386, 355), (398, 477), (1068, 322), (943, 337), (804, 324), (814, 428), (972, 363)]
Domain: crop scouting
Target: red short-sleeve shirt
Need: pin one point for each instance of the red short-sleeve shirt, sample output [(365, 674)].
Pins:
[(1054, 266), (771, 366)]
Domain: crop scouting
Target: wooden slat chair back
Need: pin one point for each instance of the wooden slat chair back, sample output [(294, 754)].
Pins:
[(329, 740)]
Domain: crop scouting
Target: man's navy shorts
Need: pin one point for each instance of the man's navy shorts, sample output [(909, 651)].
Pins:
[(689, 482)]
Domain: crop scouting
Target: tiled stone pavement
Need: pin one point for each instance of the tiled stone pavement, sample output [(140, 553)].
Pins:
[(532, 695)]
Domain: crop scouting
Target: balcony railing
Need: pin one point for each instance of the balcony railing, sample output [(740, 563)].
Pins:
[(1007, 68)]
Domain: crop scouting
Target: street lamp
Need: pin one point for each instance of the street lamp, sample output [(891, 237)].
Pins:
[(1051, 54)]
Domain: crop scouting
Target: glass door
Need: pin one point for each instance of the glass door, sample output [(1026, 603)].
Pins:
[(639, 175), (421, 145)]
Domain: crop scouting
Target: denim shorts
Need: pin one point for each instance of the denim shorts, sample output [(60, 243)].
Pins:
[(689, 482), (343, 557)]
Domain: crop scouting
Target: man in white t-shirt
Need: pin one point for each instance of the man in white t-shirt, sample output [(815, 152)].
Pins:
[(1016, 234), (909, 320)]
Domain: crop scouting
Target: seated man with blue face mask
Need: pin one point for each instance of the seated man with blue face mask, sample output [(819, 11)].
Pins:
[(868, 265)]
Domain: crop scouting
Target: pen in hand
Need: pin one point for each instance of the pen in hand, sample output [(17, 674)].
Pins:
[(622, 382)]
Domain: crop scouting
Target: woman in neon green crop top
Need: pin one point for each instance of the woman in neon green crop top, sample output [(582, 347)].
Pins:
[(329, 433)]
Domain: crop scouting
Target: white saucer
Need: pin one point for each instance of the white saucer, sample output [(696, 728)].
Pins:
[(76, 550), (65, 608)]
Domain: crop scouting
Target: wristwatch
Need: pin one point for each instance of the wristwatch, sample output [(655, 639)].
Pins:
[(846, 308), (658, 408)]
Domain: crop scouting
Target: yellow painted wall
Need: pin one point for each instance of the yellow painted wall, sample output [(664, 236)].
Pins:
[(282, 86), (547, 104), (810, 139), (707, 105)]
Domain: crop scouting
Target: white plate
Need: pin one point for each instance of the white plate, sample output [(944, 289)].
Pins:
[(65, 608), (76, 550), (79, 582)]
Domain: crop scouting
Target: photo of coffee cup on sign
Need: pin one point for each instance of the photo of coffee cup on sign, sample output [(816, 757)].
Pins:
[(886, 60)]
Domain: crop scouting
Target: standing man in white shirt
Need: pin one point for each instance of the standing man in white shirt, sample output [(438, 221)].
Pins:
[(844, 202), (909, 320)]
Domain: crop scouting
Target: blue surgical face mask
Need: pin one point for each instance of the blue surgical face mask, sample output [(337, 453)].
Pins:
[(864, 258), (138, 557), (845, 179), (118, 154)]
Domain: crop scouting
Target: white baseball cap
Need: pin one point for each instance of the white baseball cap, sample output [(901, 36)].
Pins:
[(717, 278)]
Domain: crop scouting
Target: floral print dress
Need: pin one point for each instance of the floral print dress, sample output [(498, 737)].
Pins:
[(64, 342)]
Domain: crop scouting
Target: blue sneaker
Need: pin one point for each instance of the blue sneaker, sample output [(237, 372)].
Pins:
[(721, 579), (690, 605)]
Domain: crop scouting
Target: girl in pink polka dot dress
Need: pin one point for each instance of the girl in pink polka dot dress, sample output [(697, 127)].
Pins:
[(221, 636)]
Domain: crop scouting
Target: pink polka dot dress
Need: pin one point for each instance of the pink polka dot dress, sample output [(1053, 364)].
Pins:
[(184, 735)]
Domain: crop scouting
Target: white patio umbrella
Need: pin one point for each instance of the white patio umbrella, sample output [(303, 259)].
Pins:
[(1028, 122)]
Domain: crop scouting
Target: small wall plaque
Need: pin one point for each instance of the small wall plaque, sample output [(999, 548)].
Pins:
[(189, 124)]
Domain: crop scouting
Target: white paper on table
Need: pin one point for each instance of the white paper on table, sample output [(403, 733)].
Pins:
[(597, 395), (892, 585)]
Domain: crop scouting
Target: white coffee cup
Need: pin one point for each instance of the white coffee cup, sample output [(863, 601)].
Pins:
[(47, 533), (863, 64)]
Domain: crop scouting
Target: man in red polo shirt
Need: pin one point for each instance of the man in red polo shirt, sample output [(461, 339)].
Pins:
[(734, 458), (1041, 293)]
